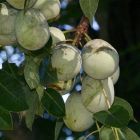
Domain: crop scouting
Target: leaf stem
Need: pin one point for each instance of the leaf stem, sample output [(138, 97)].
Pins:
[(69, 31), (97, 125), (106, 99), (96, 131), (116, 132), (87, 37), (81, 29)]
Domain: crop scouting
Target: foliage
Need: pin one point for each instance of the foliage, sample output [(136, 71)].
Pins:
[(25, 91)]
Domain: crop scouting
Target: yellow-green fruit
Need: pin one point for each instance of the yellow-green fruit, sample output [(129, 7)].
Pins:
[(97, 95), (63, 87), (66, 59), (32, 29), (115, 76), (7, 25), (19, 4), (49, 8), (57, 35), (100, 59), (77, 118)]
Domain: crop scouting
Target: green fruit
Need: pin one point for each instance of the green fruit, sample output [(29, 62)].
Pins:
[(19, 4), (97, 95), (77, 118), (32, 29), (67, 61), (100, 59), (57, 35), (7, 25), (49, 8)]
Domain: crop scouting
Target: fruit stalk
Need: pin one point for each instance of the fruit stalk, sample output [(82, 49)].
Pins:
[(81, 29)]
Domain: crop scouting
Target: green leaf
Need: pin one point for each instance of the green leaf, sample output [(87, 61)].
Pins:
[(116, 116), (130, 134), (33, 103), (31, 73), (53, 103), (5, 119), (40, 91), (12, 96), (47, 73), (58, 127), (40, 110), (107, 133), (125, 104), (16, 72), (89, 8)]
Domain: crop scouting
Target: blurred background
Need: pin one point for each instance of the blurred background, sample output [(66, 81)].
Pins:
[(118, 22)]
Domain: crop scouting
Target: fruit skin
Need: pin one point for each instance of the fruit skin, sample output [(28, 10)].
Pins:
[(19, 4), (57, 35), (32, 30), (77, 118), (97, 95), (7, 25), (49, 8), (67, 61), (115, 76), (100, 59)]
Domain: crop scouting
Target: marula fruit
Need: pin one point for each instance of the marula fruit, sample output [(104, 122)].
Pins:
[(57, 35), (19, 4), (32, 29), (77, 118), (97, 95), (49, 8), (66, 59), (100, 59), (7, 25)]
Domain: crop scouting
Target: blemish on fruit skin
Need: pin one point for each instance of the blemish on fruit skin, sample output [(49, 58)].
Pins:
[(102, 61)]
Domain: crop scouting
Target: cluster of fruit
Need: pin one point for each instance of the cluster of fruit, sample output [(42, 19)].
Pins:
[(98, 59), (100, 62), (28, 27)]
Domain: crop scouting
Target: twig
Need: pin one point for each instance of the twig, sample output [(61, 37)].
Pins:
[(81, 30)]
